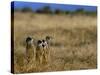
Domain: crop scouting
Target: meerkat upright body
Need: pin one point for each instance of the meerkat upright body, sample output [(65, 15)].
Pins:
[(39, 52), (30, 49), (46, 51), (48, 47)]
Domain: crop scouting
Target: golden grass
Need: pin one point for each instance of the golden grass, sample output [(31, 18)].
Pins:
[(74, 43)]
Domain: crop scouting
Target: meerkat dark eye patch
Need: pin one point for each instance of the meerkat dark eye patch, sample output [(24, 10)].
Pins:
[(43, 41), (43, 45)]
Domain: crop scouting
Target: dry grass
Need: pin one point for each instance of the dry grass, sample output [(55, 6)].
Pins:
[(74, 43)]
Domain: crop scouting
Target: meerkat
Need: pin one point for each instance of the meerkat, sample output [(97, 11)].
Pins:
[(39, 51), (48, 39), (46, 51), (30, 49)]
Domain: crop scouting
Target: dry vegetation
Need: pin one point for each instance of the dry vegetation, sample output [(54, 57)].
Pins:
[(74, 43)]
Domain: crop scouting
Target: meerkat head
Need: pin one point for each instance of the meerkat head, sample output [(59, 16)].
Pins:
[(44, 43), (48, 39), (39, 44), (29, 40)]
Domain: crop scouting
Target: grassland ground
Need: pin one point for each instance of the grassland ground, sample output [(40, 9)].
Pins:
[(74, 43)]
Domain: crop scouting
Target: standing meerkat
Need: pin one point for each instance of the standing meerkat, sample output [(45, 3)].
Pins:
[(47, 42), (30, 49), (39, 52), (46, 51)]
